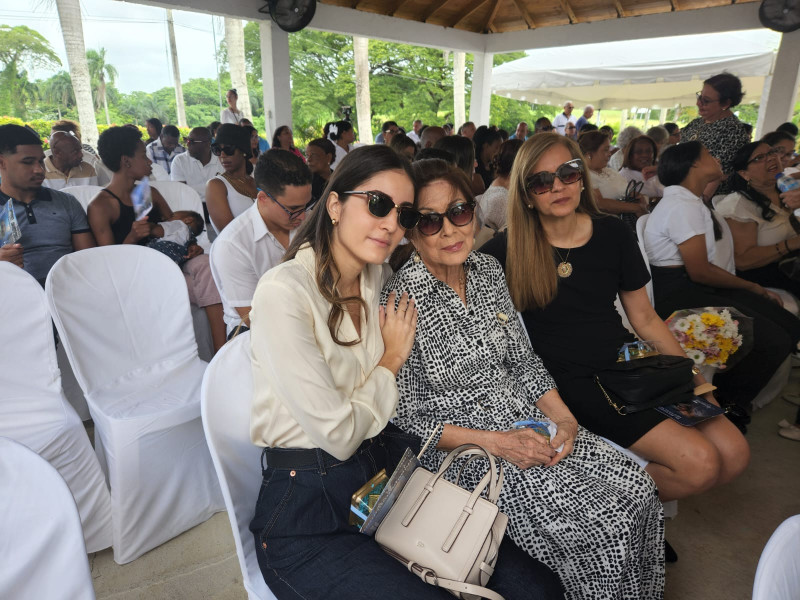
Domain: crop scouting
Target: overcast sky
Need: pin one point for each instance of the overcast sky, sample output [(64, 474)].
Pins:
[(134, 36)]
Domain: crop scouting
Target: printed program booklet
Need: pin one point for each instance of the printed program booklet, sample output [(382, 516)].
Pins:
[(9, 228), (692, 412), (407, 465)]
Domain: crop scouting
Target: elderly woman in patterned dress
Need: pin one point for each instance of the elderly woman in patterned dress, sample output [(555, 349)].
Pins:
[(573, 502)]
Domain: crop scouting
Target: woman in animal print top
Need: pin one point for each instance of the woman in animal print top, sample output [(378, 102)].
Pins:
[(573, 502)]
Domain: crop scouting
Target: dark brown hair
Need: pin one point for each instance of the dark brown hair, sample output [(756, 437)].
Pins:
[(357, 167)]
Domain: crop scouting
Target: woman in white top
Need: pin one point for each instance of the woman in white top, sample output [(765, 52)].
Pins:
[(610, 186), (764, 232), (639, 164), (325, 359), (494, 201), (342, 135), (680, 239), (231, 114), (233, 191)]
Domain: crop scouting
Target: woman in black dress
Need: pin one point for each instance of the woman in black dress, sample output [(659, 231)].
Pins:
[(565, 265)]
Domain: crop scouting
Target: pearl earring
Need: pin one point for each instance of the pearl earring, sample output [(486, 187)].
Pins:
[(333, 222)]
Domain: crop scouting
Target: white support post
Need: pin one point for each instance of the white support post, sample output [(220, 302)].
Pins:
[(662, 116), (459, 109), (622, 118), (780, 89), (275, 77), (481, 96)]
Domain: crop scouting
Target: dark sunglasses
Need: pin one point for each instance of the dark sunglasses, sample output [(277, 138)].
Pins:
[(228, 149), (380, 205), (542, 182), (460, 214)]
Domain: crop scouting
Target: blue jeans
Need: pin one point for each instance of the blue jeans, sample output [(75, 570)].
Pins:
[(306, 548)]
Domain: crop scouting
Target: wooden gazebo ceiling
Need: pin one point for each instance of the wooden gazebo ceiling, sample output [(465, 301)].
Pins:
[(497, 16)]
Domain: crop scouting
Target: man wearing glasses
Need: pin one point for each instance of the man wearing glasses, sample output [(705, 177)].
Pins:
[(197, 165), (65, 166), (256, 240), (560, 122)]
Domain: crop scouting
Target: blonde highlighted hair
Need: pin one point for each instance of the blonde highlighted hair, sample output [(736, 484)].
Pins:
[(530, 268)]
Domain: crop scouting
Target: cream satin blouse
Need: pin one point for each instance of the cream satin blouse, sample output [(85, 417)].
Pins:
[(310, 392)]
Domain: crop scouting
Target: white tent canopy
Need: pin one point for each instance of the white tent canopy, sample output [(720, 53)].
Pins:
[(657, 72)]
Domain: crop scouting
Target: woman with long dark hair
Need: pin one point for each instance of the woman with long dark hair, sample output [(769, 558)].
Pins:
[(284, 140)]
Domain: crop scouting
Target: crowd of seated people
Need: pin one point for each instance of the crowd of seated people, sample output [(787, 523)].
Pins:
[(371, 361)]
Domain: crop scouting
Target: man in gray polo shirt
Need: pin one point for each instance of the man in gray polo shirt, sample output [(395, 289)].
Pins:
[(52, 223)]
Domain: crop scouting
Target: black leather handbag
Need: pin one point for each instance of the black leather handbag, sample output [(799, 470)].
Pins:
[(650, 382)]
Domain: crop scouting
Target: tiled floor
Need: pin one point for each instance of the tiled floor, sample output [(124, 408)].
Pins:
[(718, 536)]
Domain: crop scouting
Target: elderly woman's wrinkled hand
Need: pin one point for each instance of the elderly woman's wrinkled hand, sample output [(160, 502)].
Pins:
[(566, 434), (398, 322), (523, 447)]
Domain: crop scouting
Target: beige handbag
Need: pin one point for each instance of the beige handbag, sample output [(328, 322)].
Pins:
[(446, 535)]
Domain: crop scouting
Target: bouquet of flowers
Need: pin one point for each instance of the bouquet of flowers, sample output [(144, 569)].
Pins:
[(713, 336)]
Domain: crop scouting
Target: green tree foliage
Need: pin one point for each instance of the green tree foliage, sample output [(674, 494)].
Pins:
[(102, 74), (21, 48)]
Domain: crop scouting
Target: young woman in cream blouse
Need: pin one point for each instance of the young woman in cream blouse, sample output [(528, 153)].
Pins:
[(325, 358)]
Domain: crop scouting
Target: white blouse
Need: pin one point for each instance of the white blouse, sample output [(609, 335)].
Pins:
[(493, 205), (309, 391), (610, 183), (737, 207), (237, 202), (679, 216), (652, 187)]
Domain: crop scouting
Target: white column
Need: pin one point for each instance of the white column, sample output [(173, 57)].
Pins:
[(778, 100), (481, 96), (275, 77), (459, 109), (622, 118), (662, 116)]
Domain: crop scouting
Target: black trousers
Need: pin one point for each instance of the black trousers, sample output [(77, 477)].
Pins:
[(771, 276), (776, 331)]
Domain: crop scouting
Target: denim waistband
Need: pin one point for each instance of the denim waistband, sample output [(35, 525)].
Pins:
[(305, 458)]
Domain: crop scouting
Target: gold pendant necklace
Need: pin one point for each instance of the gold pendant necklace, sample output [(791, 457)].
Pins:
[(564, 268)]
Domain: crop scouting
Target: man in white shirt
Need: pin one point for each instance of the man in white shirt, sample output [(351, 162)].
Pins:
[(560, 122), (256, 240), (65, 166), (197, 165), (414, 135)]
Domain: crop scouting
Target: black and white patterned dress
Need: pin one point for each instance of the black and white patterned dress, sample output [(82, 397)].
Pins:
[(595, 517)]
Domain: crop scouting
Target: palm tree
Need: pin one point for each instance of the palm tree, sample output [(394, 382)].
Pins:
[(58, 90), (234, 39), (100, 71), (69, 15)]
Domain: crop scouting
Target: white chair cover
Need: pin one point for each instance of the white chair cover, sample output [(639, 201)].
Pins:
[(83, 193), (778, 573), (640, 223), (158, 173), (226, 398), (42, 544), (33, 410), (180, 196), (133, 352)]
